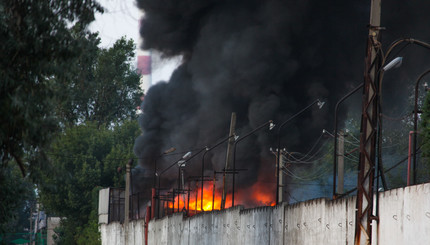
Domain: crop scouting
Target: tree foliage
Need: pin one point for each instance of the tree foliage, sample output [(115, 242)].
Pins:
[(17, 196), (86, 158), (104, 87), (424, 170), (57, 85), (37, 45)]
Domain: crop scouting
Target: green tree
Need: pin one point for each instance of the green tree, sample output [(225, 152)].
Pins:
[(86, 157), (38, 43), (104, 87), (423, 172), (17, 196)]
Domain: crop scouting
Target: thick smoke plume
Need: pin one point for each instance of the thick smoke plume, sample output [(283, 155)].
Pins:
[(261, 59)]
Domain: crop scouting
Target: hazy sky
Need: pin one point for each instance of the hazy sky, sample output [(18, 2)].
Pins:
[(121, 18)]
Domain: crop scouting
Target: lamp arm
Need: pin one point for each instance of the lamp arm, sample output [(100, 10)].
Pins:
[(335, 133)]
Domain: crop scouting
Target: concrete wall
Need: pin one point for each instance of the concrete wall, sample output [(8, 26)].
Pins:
[(404, 219), (114, 233), (405, 216), (318, 221), (104, 206)]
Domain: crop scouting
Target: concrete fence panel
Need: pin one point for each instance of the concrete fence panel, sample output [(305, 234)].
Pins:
[(404, 218)]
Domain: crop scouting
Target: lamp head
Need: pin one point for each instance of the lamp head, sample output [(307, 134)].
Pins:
[(181, 163), (187, 155), (236, 137), (320, 104), (271, 125), (397, 62)]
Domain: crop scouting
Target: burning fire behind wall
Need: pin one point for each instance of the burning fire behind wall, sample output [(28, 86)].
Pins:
[(255, 195)]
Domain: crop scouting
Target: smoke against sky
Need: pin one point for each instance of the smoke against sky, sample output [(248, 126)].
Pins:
[(261, 59), (121, 18)]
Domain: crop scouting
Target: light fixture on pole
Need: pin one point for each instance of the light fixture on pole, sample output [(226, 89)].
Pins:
[(184, 157), (395, 63), (166, 152), (237, 140), (335, 134), (320, 104)]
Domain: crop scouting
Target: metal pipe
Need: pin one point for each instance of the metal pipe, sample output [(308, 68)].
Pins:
[(234, 154), (409, 158), (188, 203), (335, 134)]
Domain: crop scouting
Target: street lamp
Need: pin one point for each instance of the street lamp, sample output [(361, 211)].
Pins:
[(427, 46), (416, 124), (335, 134), (170, 150), (184, 157), (320, 105), (203, 167), (237, 140), (395, 63)]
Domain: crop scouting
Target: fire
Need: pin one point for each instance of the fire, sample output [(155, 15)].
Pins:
[(195, 200), (255, 195)]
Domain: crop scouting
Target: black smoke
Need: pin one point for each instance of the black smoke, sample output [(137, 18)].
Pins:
[(261, 59)]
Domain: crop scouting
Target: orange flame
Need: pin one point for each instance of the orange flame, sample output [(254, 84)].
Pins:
[(255, 195)]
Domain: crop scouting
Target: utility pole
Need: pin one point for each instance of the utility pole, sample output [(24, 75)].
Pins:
[(229, 156), (340, 161), (369, 122)]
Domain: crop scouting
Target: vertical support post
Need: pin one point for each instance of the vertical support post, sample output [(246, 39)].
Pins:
[(213, 192), (188, 202), (409, 158), (173, 201), (197, 192), (229, 157), (280, 179), (364, 205), (341, 162), (127, 200), (152, 203), (147, 219)]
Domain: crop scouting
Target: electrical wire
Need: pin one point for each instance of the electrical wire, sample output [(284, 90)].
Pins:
[(309, 159), (356, 140), (314, 145), (314, 177)]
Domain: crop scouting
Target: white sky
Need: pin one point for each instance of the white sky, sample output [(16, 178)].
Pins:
[(121, 18)]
